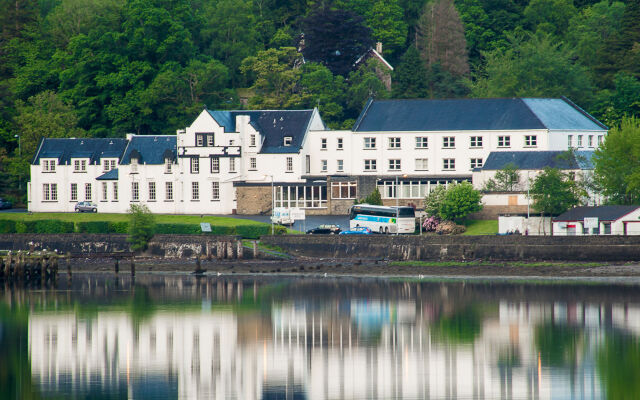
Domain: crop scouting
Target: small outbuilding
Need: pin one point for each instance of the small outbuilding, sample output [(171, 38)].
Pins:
[(601, 220)]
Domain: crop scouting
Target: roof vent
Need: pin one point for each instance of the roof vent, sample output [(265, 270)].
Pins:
[(281, 118), (81, 142), (110, 142)]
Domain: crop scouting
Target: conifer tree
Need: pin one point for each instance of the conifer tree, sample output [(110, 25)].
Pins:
[(409, 76)]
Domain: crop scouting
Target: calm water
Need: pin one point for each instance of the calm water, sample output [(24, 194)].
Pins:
[(312, 338)]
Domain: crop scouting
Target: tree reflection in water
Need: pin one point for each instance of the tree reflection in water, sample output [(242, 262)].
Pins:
[(619, 366)]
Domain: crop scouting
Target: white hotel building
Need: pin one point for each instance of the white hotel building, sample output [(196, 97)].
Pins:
[(227, 161)]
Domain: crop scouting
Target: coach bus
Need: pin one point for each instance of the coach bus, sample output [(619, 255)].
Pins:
[(383, 219)]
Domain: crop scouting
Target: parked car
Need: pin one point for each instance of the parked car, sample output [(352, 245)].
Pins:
[(86, 206), (5, 204), (358, 230), (325, 230)]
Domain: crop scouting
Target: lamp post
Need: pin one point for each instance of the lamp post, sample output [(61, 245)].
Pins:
[(273, 202), (398, 200), (19, 156)]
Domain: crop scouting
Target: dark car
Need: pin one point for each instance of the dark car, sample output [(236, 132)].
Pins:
[(86, 206), (358, 230), (325, 230), (5, 204)]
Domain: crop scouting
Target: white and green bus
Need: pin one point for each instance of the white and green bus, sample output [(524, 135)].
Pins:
[(383, 219)]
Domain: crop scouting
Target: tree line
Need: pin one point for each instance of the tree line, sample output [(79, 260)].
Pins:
[(101, 68)]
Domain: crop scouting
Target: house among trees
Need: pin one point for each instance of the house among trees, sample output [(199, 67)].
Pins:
[(228, 161)]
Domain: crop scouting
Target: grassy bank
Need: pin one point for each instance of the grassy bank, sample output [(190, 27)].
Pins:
[(481, 227), (160, 218)]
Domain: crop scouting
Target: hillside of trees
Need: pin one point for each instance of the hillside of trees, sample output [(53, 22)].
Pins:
[(102, 68)]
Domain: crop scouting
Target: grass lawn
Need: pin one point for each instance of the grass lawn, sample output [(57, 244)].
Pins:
[(160, 218), (481, 227)]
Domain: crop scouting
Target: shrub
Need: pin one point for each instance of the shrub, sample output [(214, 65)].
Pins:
[(92, 227), (142, 226), (7, 226), (253, 231), (47, 226), (118, 227), (178, 229), (21, 227)]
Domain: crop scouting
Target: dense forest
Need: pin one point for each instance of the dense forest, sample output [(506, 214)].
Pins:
[(101, 68)]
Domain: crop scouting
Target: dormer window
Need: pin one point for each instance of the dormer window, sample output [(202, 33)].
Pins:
[(199, 140), (79, 165), (49, 165), (288, 140), (134, 165), (210, 140), (167, 165)]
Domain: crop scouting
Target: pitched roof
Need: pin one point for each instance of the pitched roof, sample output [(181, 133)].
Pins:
[(64, 149), (474, 114), (151, 149), (111, 175), (273, 125), (533, 160), (603, 213)]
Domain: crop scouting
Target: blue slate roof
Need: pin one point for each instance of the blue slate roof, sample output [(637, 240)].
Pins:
[(272, 125), (474, 114), (603, 213), (64, 149), (109, 176), (532, 160), (151, 149)]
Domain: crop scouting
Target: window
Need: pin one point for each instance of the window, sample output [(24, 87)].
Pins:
[(105, 165), (167, 165), (422, 142), (394, 165), (579, 140), (590, 140), (449, 164), (49, 165), (74, 192), (210, 140), (252, 140), (253, 164), (152, 191), (476, 163), (369, 143), (532, 141), (199, 140), (343, 190), (45, 192), (600, 139), (232, 142), (607, 228), (115, 191), (301, 196), (195, 165), (570, 141), (323, 165), (394, 142), (215, 165), (134, 165), (50, 192), (168, 193), (215, 191), (54, 192), (449, 142), (340, 166), (323, 144), (422, 164), (288, 140), (340, 144), (87, 191), (79, 165), (232, 165), (369, 165), (476, 141), (289, 164), (52, 165), (195, 191), (135, 191), (504, 141), (105, 193)]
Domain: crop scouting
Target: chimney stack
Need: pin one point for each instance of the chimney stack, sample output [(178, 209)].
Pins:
[(379, 47)]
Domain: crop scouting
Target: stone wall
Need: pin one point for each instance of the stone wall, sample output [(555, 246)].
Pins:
[(252, 200), (432, 247)]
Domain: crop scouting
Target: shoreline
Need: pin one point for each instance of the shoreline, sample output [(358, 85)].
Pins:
[(350, 267)]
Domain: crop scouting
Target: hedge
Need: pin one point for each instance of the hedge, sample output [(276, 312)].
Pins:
[(45, 226), (92, 227), (7, 226)]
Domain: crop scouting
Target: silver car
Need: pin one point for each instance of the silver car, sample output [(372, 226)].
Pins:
[(86, 206)]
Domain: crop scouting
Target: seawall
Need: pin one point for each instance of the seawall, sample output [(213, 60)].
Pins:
[(436, 248)]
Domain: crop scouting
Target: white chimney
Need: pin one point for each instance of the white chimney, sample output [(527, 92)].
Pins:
[(379, 47)]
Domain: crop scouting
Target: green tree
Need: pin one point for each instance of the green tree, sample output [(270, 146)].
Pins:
[(365, 83), (550, 16), (453, 203), (325, 91), (374, 198), (142, 226), (505, 180), (554, 193), (385, 20), (443, 84), (408, 76), (617, 163), (533, 66)]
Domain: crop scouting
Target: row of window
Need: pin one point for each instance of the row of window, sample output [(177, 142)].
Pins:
[(50, 191), (421, 164), (207, 140), (151, 191), (580, 142), (214, 164), (410, 189), (448, 142), (339, 144)]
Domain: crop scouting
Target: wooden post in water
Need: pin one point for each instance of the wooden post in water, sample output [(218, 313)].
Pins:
[(133, 266), (255, 248), (209, 251), (240, 249), (230, 250), (219, 250), (117, 266)]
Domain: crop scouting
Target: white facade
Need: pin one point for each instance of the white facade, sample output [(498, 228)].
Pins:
[(292, 149), (627, 224)]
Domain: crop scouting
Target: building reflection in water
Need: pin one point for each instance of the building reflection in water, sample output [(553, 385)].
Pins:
[(250, 341)]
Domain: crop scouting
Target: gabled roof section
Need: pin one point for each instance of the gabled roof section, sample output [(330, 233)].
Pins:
[(64, 149), (150, 148), (535, 160), (603, 213), (273, 125), (473, 114), (112, 175)]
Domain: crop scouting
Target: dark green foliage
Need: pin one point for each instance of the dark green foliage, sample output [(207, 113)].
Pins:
[(409, 76), (118, 227), (245, 231), (618, 365), (142, 227), (7, 226), (39, 226), (557, 344), (505, 180), (178, 229), (335, 38), (92, 227), (454, 202), (374, 198), (553, 192)]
